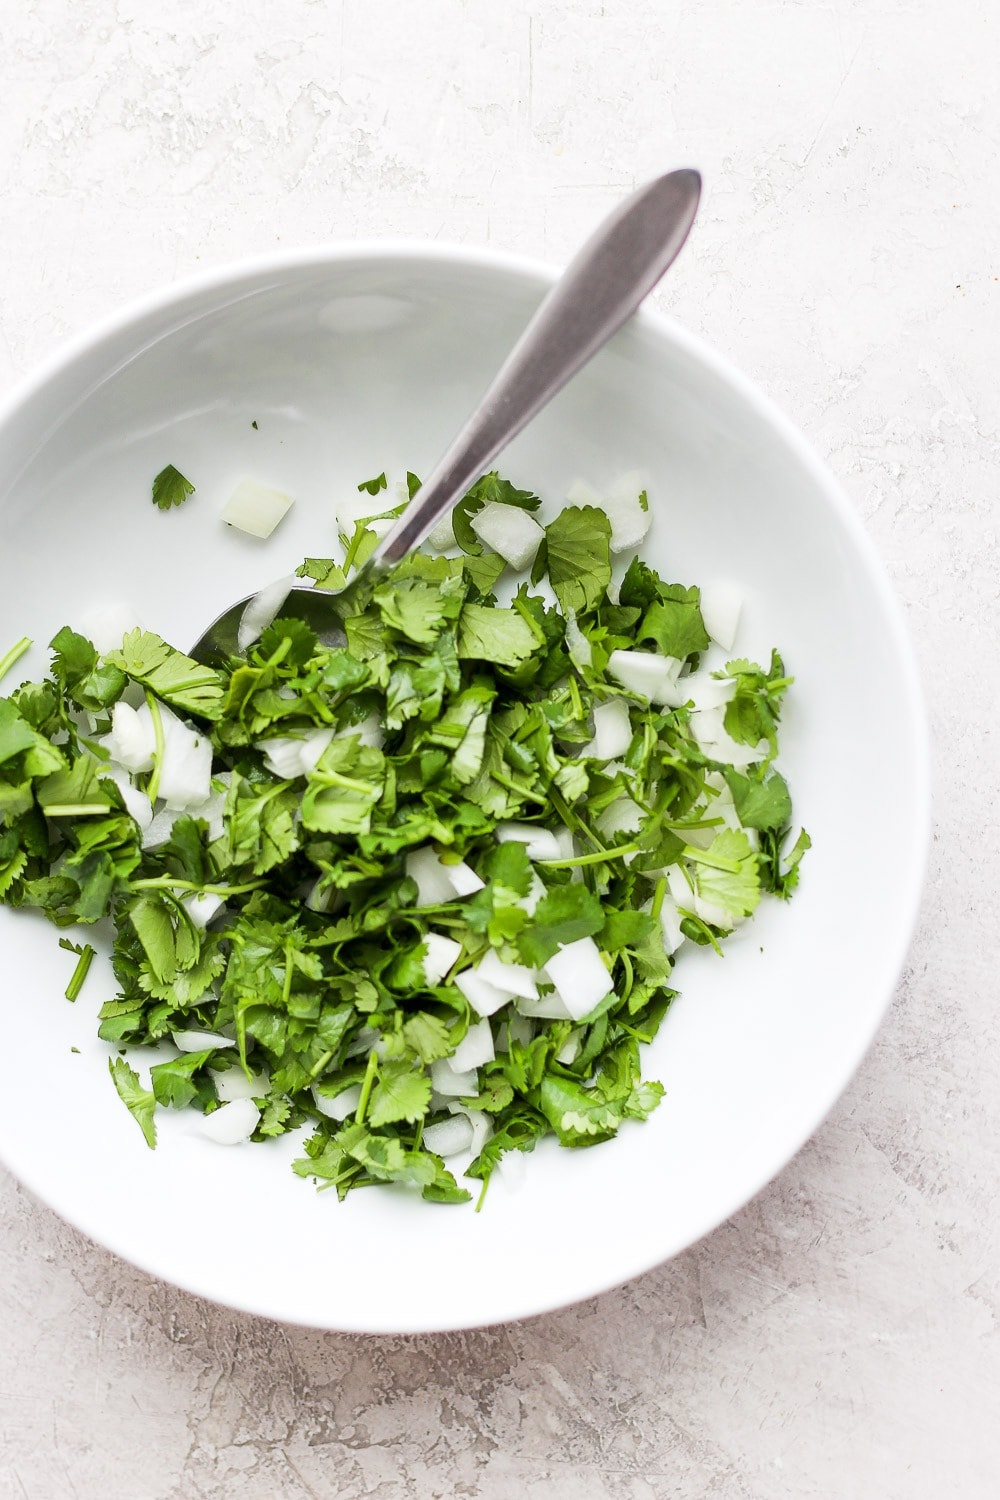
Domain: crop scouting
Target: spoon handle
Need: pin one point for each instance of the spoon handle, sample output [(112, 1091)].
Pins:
[(602, 286)]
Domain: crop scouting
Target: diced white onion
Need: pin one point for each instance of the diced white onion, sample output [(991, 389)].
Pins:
[(161, 827), (475, 1048), (131, 740), (512, 979), (628, 485), (629, 522), (485, 998), (137, 804), (549, 1007), (232, 1123), (186, 764), (289, 756), (612, 730), (440, 953), (368, 732), (621, 816), (433, 884), (582, 493), (570, 1049), (341, 1105), (263, 608), (255, 508), (441, 536), (670, 922), (449, 1137), (536, 891), (520, 1030), (199, 1041), (580, 976), (463, 879), (234, 1084), (646, 674), (721, 607), (540, 843), (201, 908), (482, 1125), (513, 533), (450, 1081), (705, 691)]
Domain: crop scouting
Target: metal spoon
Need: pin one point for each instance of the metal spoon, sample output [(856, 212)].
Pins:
[(602, 286)]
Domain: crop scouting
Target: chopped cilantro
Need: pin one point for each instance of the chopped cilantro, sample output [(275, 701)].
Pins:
[(394, 824)]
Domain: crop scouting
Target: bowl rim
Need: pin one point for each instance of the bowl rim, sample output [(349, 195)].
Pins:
[(248, 274)]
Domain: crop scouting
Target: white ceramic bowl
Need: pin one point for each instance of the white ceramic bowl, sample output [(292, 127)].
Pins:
[(362, 358)]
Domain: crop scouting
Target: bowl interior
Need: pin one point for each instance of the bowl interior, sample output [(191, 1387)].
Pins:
[(349, 363)]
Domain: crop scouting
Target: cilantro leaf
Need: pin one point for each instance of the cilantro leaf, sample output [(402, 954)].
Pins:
[(140, 1102), (577, 547), (171, 488), (172, 676), (399, 1094)]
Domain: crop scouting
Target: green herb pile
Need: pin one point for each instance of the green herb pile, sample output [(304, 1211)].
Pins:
[(315, 965)]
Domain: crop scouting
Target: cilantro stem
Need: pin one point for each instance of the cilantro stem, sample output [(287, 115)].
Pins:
[(572, 820), (482, 1193), (76, 809), (366, 1086), (317, 1068), (167, 883), (617, 852), (153, 784), (659, 896), (83, 964), (14, 654)]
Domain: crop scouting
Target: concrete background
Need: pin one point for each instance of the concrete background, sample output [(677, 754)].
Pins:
[(839, 1336)]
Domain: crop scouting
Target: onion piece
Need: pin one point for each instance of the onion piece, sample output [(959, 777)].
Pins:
[(199, 1041), (540, 843), (234, 1084), (721, 607), (201, 907), (137, 804), (548, 1007), (340, 1105), (580, 976), (232, 1123), (485, 998), (581, 492), (186, 764), (612, 730), (256, 508), (433, 885), (621, 816), (512, 533), (448, 1080), (629, 522), (440, 953), (647, 674), (131, 740), (512, 979), (441, 536), (262, 610), (463, 878), (475, 1048), (449, 1137)]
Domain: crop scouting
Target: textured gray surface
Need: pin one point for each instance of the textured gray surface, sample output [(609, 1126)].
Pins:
[(838, 1337)]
